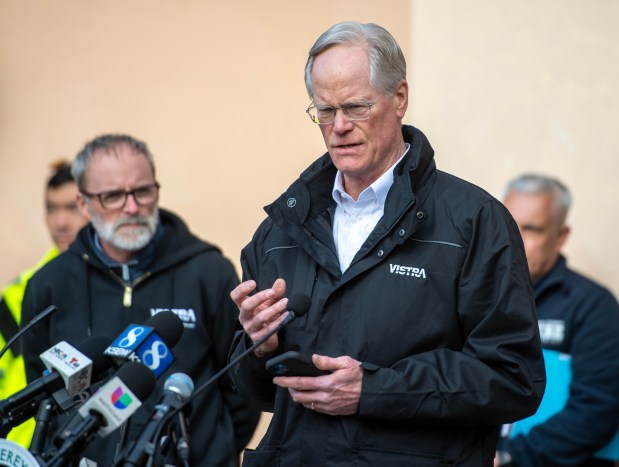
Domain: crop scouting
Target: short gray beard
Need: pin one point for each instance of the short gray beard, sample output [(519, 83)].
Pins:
[(139, 239)]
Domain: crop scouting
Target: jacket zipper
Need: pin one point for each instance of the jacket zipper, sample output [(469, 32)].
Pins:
[(128, 289)]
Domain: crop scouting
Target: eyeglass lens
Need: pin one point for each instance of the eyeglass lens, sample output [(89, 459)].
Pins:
[(143, 196), (354, 111)]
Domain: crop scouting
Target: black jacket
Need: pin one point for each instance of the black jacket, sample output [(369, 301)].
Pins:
[(187, 276), (580, 318), (437, 304)]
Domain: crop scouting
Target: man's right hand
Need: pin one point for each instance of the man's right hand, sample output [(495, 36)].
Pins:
[(261, 312)]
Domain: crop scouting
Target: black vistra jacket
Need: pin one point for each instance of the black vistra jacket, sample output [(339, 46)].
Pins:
[(437, 305), (188, 276)]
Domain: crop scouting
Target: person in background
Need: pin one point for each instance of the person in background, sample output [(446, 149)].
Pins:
[(63, 220), (132, 261), (576, 316), (421, 304)]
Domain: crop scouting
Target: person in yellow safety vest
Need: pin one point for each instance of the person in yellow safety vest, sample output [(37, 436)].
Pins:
[(64, 220)]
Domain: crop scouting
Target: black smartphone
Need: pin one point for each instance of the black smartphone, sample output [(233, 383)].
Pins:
[(293, 364)]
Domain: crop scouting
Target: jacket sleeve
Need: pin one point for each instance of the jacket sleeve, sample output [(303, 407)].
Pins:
[(244, 416), (11, 360), (250, 377), (591, 416), (497, 375)]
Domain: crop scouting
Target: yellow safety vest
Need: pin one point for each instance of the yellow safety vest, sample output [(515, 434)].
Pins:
[(12, 371)]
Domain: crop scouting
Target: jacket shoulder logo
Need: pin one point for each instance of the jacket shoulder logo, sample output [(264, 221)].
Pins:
[(187, 315), (407, 270), (551, 331)]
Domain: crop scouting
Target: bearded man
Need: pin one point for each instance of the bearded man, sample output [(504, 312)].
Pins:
[(130, 262)]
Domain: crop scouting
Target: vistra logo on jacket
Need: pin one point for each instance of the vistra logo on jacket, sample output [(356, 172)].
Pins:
[(407, 270), (187, 315)]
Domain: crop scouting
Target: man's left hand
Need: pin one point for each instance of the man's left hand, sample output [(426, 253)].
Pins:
[(335, 394)]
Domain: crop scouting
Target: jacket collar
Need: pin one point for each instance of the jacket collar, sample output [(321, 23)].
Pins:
[(555, 278), (310, 195), (304, 212)]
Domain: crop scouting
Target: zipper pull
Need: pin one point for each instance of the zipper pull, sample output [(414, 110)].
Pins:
[(127, 297)]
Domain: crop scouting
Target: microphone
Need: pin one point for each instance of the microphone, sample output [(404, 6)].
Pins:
[(50, 310), (68, 368), (176, 389), (298, 305), (107, 409), (149, 343)]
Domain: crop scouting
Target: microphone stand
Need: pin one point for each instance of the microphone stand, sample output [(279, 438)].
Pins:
[(182, 440), (123, 439), (151, 449), (75, 442), (43, 419)]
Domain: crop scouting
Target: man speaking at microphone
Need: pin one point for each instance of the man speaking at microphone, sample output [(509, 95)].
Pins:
[(133, 261), (421, 303)]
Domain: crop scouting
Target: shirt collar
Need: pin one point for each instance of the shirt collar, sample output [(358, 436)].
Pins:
[(380, 187)]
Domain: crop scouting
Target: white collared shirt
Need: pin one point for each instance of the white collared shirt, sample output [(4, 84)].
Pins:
[(354, 220)]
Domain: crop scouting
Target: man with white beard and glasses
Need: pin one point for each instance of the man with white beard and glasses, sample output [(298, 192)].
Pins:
[(131, 262)]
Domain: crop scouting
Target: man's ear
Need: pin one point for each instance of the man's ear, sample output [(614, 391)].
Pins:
[(564, 232), (401, 98), (82, 206)]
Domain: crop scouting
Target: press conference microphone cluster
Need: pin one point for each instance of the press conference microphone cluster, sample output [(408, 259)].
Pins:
[(72, 370), (75, 369), (148, 345), (106, 410), (298, 305), (69, 371)]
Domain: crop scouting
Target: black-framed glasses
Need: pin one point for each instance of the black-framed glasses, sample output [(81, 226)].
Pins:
[(325, 114), (145, 195)]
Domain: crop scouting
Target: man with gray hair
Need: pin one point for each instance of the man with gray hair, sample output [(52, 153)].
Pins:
[(577, 317), (421, 308), (131, 262)]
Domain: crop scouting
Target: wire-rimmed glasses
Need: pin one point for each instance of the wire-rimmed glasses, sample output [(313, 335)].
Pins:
[(325, 114)]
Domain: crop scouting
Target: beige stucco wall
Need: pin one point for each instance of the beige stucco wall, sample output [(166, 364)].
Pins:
[(505, 87), (216, 89)]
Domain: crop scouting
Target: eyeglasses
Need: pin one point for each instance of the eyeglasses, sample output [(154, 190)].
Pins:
[(325, 114), (143, 195)]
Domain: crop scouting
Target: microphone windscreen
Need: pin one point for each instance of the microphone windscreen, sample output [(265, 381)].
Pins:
[(138, 378), (299, 303), (168, 327), (93, 347), (180, 383)]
